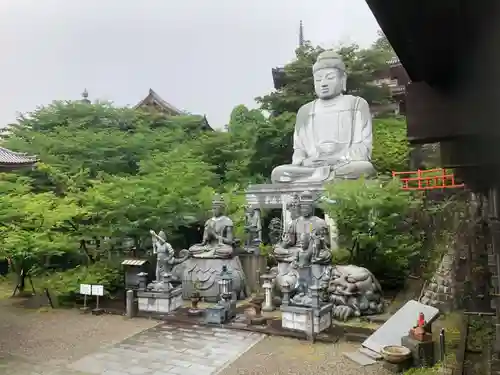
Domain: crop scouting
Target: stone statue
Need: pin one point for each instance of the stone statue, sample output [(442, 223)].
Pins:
[(253, 227), (305, 232), (354, 291), (166, 262), (275, 230), (218, 241), (163, 251), (333, 134)]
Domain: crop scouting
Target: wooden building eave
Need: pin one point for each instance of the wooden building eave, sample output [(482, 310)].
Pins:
[(434, 40), (153, 99), (10, 160)]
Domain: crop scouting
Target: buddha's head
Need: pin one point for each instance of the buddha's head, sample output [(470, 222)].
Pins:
[(329, 75), (306, 204), (218, 205)]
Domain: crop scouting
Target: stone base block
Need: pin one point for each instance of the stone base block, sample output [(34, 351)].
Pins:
[(220, 313), (297, 318), (205, 273), (160, 302), (422, 352), (398, 368)]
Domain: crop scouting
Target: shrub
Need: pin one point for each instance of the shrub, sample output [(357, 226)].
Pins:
[(374, 227), (66, 284)]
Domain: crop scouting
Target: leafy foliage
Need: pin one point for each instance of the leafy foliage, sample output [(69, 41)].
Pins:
[(66, 285), (390, 146), (373, 226)]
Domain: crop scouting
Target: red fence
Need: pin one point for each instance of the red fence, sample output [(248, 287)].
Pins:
[(427, 179)]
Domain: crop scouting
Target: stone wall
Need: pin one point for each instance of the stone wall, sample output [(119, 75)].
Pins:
[(440, 291)]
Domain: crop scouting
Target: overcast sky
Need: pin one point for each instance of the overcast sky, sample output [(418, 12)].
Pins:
[(203, 56)]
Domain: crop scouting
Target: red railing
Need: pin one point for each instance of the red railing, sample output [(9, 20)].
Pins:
[(429, 179)]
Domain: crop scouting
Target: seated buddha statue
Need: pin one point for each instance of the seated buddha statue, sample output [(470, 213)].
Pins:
[(218, 240), (333, 134), (306, 234)]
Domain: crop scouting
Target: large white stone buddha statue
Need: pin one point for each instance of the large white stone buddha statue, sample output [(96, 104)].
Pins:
[(333, 134)]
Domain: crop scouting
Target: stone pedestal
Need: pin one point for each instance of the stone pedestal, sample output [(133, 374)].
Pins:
[(422, 351), (159, 302), (253, 266), (398, 368), (297, 318), (206, 273), (220, 313)]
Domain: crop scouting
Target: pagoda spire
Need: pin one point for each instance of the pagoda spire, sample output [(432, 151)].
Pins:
[(85, 97), (301, 34)]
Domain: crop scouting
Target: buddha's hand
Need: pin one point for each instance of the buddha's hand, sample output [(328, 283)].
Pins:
[(314, 163)]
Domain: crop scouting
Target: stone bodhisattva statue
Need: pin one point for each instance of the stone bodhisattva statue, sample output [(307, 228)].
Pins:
[(218, 240), (166, 261), (333, 134), (163, 251), (306, 237), (253, 227)]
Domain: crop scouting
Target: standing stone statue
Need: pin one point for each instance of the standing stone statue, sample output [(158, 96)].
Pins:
[(307, 233), (333, 134), (218, 240), (253, 227), (275, 230), (163, 251)]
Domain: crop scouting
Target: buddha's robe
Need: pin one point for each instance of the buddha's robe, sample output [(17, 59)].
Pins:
[(332, 139), (213, 247), (293, 241)]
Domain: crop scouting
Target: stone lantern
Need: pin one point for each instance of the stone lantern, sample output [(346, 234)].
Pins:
[(225, 309), (285, 290), (225, 284)]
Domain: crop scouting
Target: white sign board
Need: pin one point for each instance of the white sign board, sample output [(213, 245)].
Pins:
[(97, 290), (86, 289)]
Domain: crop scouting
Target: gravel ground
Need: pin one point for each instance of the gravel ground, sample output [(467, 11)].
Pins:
[(53, 337), (279, 356), (45, 341)]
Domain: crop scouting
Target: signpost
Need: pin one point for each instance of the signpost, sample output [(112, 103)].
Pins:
[(98, 291), (86, 290), (92, 290)]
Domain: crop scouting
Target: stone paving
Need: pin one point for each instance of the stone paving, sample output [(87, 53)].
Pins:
[(168, 350)]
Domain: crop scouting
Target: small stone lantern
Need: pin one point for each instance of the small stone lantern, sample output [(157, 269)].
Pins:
[(285, 289), (225, 284), (268, 292), (166, 277), (142, 278), (315, 292)]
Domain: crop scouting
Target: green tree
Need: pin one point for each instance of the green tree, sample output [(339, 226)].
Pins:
[(373, 224), (34, 227), (390, 145)]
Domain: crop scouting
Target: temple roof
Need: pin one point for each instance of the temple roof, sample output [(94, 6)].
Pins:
[(153, 99), (11, 158)]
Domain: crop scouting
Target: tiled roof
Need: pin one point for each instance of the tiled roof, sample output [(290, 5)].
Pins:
[(155, 98), (11, 157), (393, 61), (134, 262)]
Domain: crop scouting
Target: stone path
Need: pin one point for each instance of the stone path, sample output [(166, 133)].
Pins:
[(168, 350)]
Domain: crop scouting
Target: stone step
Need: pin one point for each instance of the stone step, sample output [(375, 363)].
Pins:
[(355, 337)]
